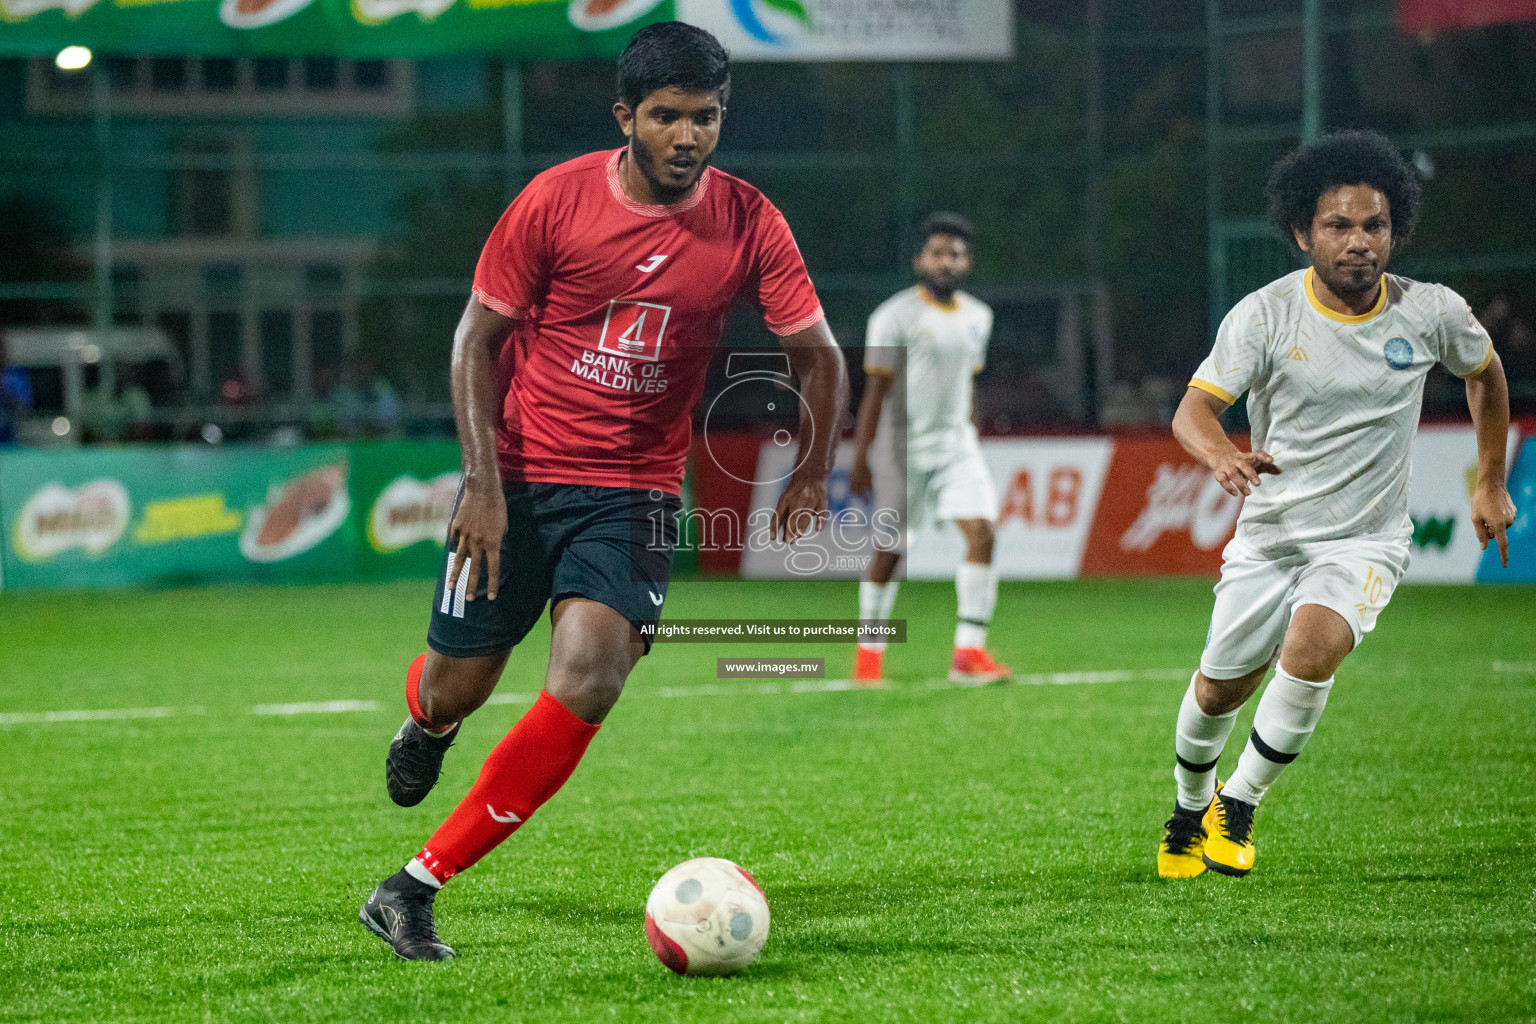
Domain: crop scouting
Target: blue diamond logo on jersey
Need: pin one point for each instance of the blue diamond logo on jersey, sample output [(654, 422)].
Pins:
[(1399, 353)]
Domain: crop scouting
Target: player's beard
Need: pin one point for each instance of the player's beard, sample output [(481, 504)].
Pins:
[(1351, 280), (667, 193), (941, 286)]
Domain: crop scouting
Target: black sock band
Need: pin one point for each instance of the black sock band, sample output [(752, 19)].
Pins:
[(1198, 769), (1268, 752)]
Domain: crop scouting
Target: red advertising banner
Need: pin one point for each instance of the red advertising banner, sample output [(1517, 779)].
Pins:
[(1419, 16), (1160, 514), (721, 469)]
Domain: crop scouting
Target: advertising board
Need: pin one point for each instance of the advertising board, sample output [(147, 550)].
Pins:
[(110, 517), (1161, 514), (1445, 547), (1048, 490)]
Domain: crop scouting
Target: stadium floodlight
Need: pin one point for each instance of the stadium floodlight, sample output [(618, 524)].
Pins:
[(73, 58)]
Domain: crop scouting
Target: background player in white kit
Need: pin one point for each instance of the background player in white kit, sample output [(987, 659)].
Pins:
[(1333, 359), (916, 447)]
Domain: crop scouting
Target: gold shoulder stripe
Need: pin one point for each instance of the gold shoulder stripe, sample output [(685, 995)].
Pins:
[(1209, 388), (1482, 365)]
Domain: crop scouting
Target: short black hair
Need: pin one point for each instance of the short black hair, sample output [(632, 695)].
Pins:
[(673, 55), (1301, 178), (945, 224)]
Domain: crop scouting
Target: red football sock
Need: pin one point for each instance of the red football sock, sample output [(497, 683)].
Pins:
[(528, 766), (413, 697)]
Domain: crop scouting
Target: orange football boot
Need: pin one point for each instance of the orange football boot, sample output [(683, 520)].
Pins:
[(975, 666), (866, 668)]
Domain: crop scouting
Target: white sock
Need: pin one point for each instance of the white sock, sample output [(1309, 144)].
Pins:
[(875, 603), (421, 874), (1197, 743), (1287, 714), (976, 597)]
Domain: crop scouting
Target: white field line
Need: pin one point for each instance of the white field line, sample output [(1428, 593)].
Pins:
[(820, 685), (835, 685), (1519, 668), (703, 690), (315, 707), (1155, 675), (98, 715), (757, 689)]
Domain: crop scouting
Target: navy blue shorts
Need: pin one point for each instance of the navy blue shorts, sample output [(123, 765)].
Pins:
[(612, 545)]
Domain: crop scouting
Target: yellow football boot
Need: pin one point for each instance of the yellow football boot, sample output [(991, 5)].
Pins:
[(1229, 836), (1179, 853)]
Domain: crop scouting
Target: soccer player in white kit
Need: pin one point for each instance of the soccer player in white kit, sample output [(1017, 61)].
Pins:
[(1333, 359), (916, 448)]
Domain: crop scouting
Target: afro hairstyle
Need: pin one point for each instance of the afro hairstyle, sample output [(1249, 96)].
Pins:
[(1304, 175)]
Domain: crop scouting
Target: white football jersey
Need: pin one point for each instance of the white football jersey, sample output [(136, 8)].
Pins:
[(1335, 399), (945, 346)]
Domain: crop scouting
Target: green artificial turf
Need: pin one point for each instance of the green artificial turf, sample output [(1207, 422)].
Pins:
[(929, 854)]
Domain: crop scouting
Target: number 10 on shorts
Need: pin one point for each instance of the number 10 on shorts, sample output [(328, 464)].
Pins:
[(1372, 590)]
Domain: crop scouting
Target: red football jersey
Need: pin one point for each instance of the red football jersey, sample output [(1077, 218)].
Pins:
[(622, 305)]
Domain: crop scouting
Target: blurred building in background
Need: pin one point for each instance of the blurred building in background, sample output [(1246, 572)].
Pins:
[(290, 241)]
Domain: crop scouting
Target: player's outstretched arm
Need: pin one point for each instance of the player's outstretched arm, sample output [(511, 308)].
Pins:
[(1493, 510), (481, 519), (818, 363), (1197, 426), (877, 386)]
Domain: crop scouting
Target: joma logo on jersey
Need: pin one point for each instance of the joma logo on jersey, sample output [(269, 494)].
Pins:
[(634, 329)]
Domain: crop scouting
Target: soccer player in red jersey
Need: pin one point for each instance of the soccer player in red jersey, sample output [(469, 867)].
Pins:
[(602, 290)]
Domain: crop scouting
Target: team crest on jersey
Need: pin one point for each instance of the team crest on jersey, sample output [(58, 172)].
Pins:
[(634, 329), (1399, 353)]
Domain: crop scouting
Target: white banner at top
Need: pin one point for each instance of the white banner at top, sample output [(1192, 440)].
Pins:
[(857, 29)]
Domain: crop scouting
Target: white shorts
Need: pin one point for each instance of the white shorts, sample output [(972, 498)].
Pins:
[(960, 489), (1258, 594)]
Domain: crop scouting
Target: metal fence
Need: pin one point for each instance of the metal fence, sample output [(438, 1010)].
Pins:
[(302, 231)]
